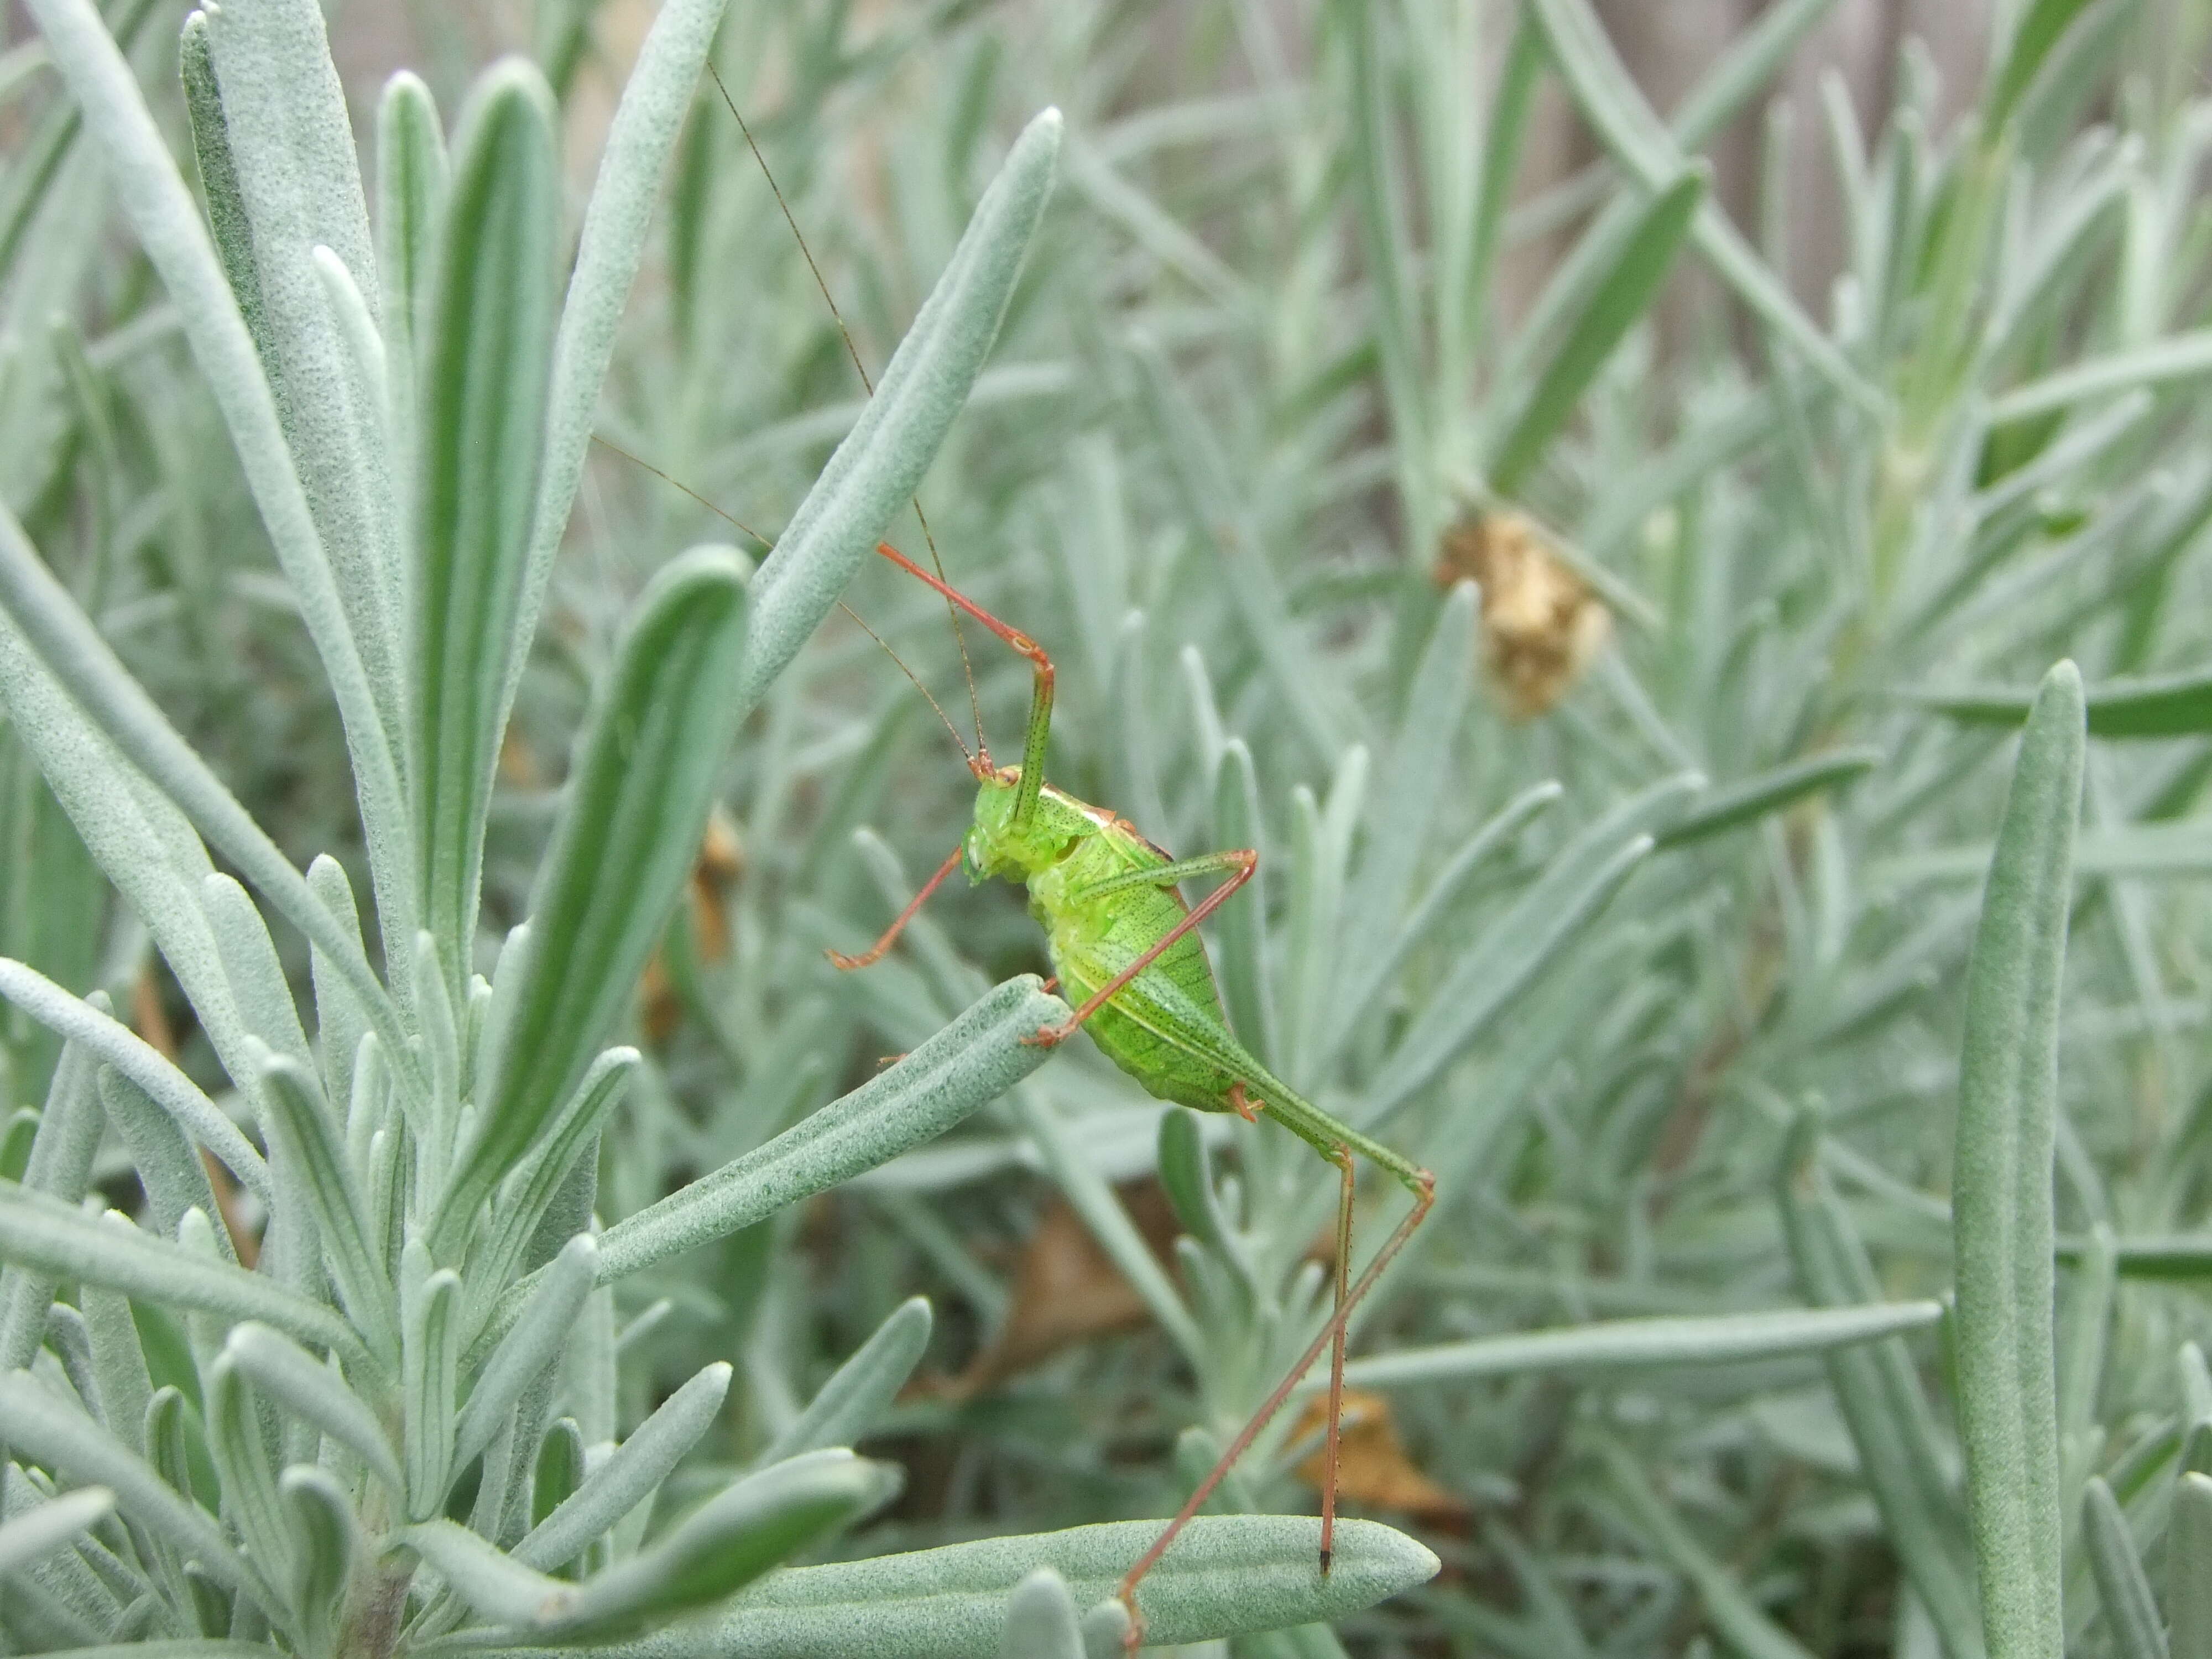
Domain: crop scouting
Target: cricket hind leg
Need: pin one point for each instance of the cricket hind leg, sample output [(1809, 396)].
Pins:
[(1340, 1274), (875, 953), (1423, 1186), (1240, 865)]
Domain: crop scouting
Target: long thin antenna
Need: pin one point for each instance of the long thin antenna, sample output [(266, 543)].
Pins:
[(852, 351), (859, 621)]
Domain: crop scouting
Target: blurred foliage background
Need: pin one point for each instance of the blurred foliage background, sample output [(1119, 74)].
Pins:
[(1796, 396)]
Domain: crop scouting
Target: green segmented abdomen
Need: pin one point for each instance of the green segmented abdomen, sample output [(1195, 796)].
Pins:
[(1164, 1027)]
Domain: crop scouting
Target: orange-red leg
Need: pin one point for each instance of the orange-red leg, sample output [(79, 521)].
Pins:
[(1341, 1273), (1332, 1334), (875, 953)]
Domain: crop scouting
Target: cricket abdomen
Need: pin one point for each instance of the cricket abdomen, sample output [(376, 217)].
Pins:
[(1166, 1028)]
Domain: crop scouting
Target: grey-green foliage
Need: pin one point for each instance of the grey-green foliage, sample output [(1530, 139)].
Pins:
[(339, 1448), (1670, 986)]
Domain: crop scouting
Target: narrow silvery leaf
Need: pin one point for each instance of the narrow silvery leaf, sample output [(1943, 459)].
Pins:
[(881, 463), (973, 1059), (639, 141), (1627, 292), (2131, 1613), (1187, 1173), (1730, 1610), (298, 1119), (2152, 706), (233, 237), (495, 1584), (482, 362), (636, 803), (559, 1471), (171, 1172), (1226, 1576), (37, 1425), (42, 1619), (341, 1023), (59, 1169), (70, 1343), (1634, 1344), (1413, 784), (2036, 29), (1767, 792), (356, 324), (1511, 951), (1879, 1392), (508, 976), (257, 978), (1436, 904), (1041, 1619), (411, 181), (629, 1475), (588, 1379), (305, 1386), (299, 188), (1615, 107), (52, 1527), (135, 1059), (249, 1480), (442, 1045), (546, 1326), (2001, 1187), (750, 1526), (847, 1406), (2178, 357), (58, 1239), (1214, 503), (326, 1543), (2188, 1585), (1247, 985), (119, 1360), (429, 1309), (529, 1195), (52, 645), (162, 212)]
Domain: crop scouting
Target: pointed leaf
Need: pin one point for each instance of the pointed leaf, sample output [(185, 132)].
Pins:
[(646, 771), (309, 1388), (629, 1475), (31, 1537), (2001, 1188), (1227, 1575), (752, 1525), (485, 355), (1627, 292), (848, 1404)]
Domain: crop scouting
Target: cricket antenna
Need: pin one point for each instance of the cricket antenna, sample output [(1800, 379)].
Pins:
[(967, 668), (766, 546)]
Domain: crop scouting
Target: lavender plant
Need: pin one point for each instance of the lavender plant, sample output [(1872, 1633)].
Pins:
[(1740, 975)]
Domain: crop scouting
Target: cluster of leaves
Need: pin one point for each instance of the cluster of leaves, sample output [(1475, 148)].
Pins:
[(1725, 997)]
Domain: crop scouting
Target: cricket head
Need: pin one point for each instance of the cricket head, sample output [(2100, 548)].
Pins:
[(996, 845)]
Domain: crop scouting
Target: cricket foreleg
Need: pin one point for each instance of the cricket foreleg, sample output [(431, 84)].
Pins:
[(1240, 865), (876, 952)]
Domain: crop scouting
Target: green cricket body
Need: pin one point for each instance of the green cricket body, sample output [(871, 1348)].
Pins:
[(1166, 1028)]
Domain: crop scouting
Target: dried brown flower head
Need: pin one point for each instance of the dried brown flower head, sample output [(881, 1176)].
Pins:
[(1541, 624)]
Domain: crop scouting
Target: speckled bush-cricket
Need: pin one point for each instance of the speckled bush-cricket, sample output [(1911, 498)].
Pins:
[(1125, 952), (1125, 947)]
